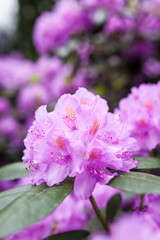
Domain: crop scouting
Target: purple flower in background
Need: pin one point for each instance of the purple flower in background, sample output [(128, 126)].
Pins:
[(84, 50), (117, 23), (152, 201), (31, 97), (79, 80), (80, 139), (134, 226), (62, 82), (148, 19), (53, 29), (47, 67), (99, 236), (131, 227), (140, 49), (10, 129), (154, 209), (4, 106), (15, 71), (151, 67), (140, 110), (108, 4)]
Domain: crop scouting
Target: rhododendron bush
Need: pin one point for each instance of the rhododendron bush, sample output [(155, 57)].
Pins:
[(80, 127)]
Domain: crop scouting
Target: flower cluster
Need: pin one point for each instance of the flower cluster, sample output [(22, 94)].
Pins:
[(132, 226), (141, 112), (80, 138), (53, 29)]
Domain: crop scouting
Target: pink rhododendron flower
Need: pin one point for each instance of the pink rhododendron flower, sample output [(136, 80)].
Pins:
[(116, 23), (80, 139), (131, 227), (140, 110), (53, 29), (30, 97), (151, 206), (10, 129), (151, 67), (15, 71), (4, 106), (148, 20), (108, 4)]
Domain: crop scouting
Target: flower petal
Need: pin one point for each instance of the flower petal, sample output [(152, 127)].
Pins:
[(56, 173), (84, 185)]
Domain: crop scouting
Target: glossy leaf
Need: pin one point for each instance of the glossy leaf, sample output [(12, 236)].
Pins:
[(8, 196), (13, 171), (31, 207), (113, 207), (148, 162), (70, 235), (136, 182)]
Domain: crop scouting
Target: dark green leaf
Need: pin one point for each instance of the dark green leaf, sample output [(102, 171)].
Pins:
[(8, 196), (113, 207), (148, 162), (13, 171), (31, 207), (136, 182), (70, 235)]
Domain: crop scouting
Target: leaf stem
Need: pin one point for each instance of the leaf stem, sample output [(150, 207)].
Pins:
[(99, 214), (141, 201)]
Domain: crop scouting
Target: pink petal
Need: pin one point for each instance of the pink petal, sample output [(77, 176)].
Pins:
[(84, 185)]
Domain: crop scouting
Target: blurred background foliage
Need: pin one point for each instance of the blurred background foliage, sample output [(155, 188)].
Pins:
[(21, 40)]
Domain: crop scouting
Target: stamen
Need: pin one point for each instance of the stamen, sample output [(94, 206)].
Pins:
[(33, 133), (142, 121), (60, 143), (98, 172), (148, 104), (95, 154), (52, 156), (94, 128), (70, 117), (94, 103), (60, 158), (27, 170), (70, 112), (82, 101)]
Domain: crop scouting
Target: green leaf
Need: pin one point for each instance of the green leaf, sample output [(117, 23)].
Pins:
[(8, 196), (13, 171), (94, 225), (70, 235), (31, 207), (148, 162), (113, 207), (136, 182)]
